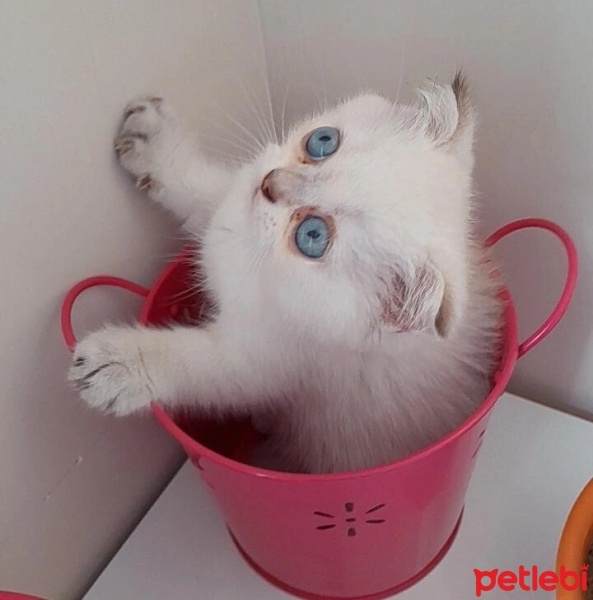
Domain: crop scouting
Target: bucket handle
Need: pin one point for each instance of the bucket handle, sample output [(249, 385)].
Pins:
[(571, 276), (72, 295)]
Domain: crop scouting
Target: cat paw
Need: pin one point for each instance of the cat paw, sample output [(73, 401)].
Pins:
[(108, 372), (147, 142)]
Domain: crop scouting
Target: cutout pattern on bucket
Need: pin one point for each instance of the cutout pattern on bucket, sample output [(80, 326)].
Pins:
[(350, 519)]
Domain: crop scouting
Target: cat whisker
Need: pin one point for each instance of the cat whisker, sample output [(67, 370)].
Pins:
[(245, 150), (244, 129), (282, 122), (263, 71), (246, 144), (401, 73), (264, 126)]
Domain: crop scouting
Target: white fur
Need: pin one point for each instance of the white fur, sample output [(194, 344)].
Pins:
[(370, 353)]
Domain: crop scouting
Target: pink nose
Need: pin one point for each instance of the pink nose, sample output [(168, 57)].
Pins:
[(267, 186)]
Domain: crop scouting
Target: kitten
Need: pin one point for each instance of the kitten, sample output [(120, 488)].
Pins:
[(354, 309)]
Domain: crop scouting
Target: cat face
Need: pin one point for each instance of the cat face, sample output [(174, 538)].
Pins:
[(360, 220)]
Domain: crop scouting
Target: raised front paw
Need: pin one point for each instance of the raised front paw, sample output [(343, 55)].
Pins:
[(149, 138), (109, 372)]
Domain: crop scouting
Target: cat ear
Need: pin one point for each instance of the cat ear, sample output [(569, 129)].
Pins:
[(418, 302), (445, 115)]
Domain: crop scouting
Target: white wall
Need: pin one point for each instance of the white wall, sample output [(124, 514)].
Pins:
[(71, 481), (530, 62)]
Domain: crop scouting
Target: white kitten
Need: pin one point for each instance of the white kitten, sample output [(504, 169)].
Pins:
[(352, 303)]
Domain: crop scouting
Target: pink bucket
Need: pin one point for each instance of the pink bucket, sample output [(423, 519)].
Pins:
[(15, 596), (361, 535)]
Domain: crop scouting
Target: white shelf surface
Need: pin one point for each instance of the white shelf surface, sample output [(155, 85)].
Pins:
[(534, 462)]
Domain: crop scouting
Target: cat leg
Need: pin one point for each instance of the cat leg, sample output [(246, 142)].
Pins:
[(156, 147), (121, 370)]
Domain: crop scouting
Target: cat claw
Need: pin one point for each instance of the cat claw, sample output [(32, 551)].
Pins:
[(147, 184), (123, 145)]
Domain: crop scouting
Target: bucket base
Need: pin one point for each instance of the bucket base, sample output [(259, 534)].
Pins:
[(375, 596)]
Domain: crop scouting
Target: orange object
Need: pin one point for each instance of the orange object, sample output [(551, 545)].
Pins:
[(576, 540)]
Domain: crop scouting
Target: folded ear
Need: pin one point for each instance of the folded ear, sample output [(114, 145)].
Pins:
[(418, 302), (445, 115)]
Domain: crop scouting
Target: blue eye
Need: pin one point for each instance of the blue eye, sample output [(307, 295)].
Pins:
[(322, 142), (312, 237)]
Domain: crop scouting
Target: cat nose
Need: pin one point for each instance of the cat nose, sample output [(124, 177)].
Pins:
[(267, 186)]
